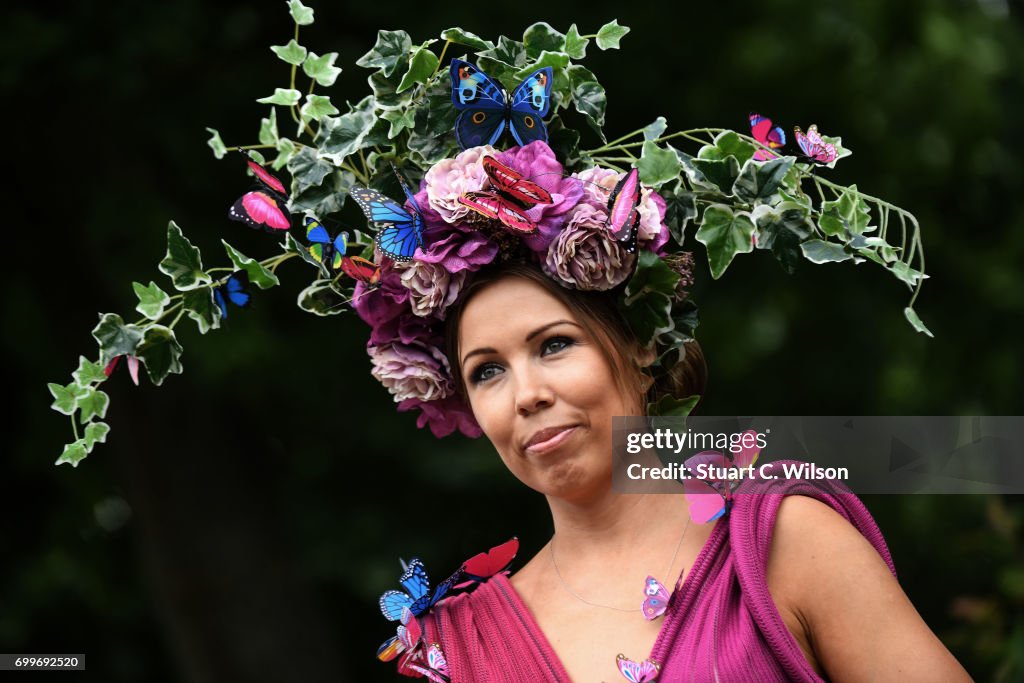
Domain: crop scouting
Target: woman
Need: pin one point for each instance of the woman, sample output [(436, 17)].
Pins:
[(783, 588)]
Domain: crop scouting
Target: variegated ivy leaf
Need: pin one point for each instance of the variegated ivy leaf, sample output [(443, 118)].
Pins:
[(308, 169), (540, 37), (286, 149), (343, 135), (161, 353), (457, 35), (389, 51), (575, 44), (647, 305), (657, 166), (216, 144), (556, 60), (258, 275), (848, 213), (73, 453), (911, 276), (66, 397), (588, 95), (183, 263), (385, 90), (326, 198), (201, 307), (725, 234), (322, 69), (302, 15), (321, 299), (758, 182), (92, 402), (399, 120), (728, 144), (421, 67), (88, 372), (670, 406), (268, 129), (820, 251), (610, 34), (152, 299), (292, 53), (654, 130), (317, 107), (115, 337), (915, 321), (287, 97), (292, 245), (504, 59), (96, 432), (717, 174)]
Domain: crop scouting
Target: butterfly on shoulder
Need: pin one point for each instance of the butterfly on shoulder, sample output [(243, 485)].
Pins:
[(431, 664), (417, 596), (637, 672), (623, 217), (508, 199), (235, 289), (266, 205), (710, 497), (814, 148), (133, 367), (407, 639), (769, 135), (399, 229), (325, 249), (483, 566), (486, 108), (656, 598)]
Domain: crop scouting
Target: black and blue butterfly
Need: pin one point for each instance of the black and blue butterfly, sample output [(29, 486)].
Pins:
[(487, 108), (399, 232), (324, 248), (417, 596), (235, 290)]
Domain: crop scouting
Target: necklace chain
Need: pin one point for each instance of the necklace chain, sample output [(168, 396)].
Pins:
[(551, 548)]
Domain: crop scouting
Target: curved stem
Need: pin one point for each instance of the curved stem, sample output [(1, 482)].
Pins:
[(74, 427)]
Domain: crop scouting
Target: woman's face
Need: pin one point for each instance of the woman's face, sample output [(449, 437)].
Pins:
[(540, 388)]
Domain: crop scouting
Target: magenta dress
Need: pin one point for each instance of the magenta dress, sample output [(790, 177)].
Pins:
[(721, 623)]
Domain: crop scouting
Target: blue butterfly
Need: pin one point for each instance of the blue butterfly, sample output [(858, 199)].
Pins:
[(235, 290), (417, 596), (324, 249), (487, 107), (399, 232)]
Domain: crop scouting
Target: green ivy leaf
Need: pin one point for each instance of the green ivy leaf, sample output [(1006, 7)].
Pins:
[(565, 143), (657, 165), (725, 234), (66, 397), (399, 120), (914, 320), (540, 37), (575, 44), (258, 275), (292, 246), (718, 174), (904, 272), (556, 60), (680, 210), (216, 144), (268, 129), (161, 353), (344, 134), (421, 68), (95, 432), (728, 144), (647, 304), (88, 372), (317, 107), (302, 15), (322, 69), (670, 406), (820, 251), (588, 96), (326, 198), (321, 298), (152, 299), (115, 338), (287, 97), (654, 130), (389, 51), (286, 149), (73, 453), (758, 182), (92, 402), (201, 307), (292, 53), (610, 34), (183, 263), (458, 35), (782, 228), (504, 59), (852, 209)]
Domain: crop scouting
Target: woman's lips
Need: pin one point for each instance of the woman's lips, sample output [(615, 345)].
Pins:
[(551, 442)]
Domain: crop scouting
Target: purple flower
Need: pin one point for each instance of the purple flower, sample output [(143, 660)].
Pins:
[(537, 163), (454, 247), (384, 302), (448, 179), (584, 256), (652, 233), (432, 288), (444, 416), (413, 370)]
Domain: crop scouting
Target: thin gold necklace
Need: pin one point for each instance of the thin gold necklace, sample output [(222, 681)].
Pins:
[(551, 548)]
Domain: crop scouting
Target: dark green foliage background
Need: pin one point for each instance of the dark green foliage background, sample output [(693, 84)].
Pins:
[(272, 487)]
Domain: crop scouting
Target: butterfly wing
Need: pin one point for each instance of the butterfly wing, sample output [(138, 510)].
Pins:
[(237, 288), (622, 218), (361, 270), (390, 648), (481, 103), (767, 134), (706, 502), (485, 565), (637, 672), (267, 178), (399, 232), (656, 598), (261, 209), (747, 456), (508, 181), (528, 105)]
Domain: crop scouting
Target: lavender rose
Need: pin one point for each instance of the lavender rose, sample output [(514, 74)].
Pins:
[(652, 233), (432, 288), (413, 370), (584, 256)]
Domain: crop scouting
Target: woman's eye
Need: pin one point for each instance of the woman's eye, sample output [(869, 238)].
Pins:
[(484, 373), (556, 344)]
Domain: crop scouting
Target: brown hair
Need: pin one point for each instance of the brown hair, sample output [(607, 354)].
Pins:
[(600, 317)]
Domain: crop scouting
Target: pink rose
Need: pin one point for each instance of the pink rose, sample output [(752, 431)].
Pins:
[(584, 256), (449, 178), (652, 233), (413, 370)]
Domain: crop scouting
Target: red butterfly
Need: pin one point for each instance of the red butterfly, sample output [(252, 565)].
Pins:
[(483, 566), (508, 199), (265, 206), (361, 270)]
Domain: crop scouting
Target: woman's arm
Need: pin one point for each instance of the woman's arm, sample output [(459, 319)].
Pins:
[(844, 606)]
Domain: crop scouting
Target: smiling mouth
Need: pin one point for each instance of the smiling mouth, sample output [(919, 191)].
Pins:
[(552, 442)]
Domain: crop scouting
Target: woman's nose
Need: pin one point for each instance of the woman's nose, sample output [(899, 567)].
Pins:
[(533, 391)]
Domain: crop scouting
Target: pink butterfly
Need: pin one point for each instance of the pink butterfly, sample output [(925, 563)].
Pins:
[(436, 668), (508, 199), (635, 672), (814, 147), (265, 206), (133, 367), (710, 497), (623, 218), (408, 638), (655, 598), (483, 566), (764, 132)]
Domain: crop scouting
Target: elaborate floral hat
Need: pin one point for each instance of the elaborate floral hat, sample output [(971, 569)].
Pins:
[(467, 152)]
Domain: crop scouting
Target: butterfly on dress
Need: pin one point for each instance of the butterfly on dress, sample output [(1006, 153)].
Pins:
[(814, 148), (483, 566), (509, 198), (407, 638), (432, 664), (487, 108), (265, 206), (623, 217), (325, 249), (235, 290), (417, 596), (399, 232), (768, 135), (656, 598), (710, 497), (637, 672), (133, 367)]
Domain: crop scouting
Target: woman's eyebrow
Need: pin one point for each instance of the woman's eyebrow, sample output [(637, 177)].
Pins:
[(531, 335)]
